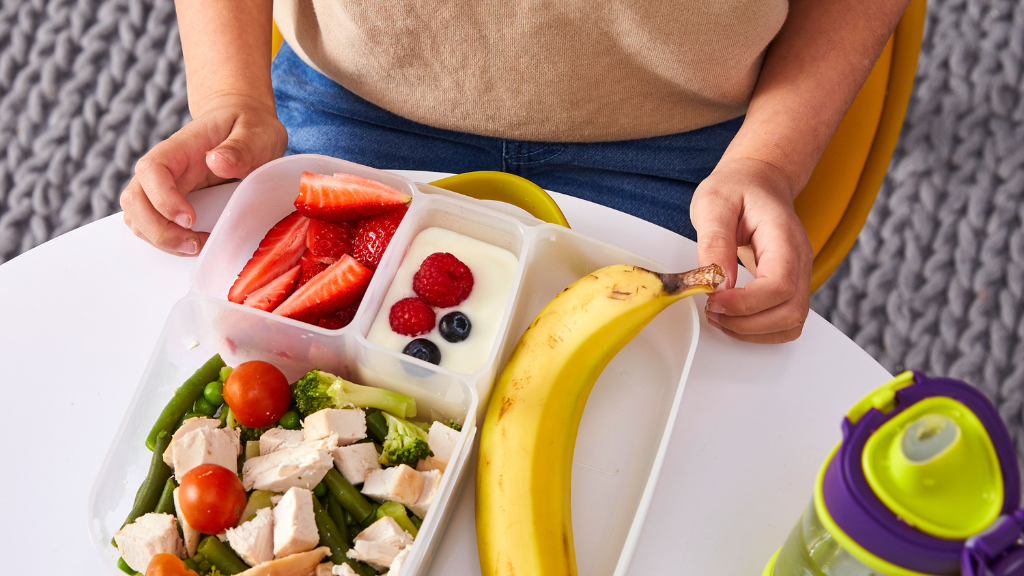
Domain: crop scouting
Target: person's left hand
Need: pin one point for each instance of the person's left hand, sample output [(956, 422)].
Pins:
[(750, 202)]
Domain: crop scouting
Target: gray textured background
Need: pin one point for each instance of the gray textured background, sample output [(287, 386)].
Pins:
[(935, 282)]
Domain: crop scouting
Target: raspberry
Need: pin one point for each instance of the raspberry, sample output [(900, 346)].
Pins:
[(411, 317), (443, 280)]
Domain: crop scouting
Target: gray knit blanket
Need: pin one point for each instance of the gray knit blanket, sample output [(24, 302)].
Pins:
[(935, 281)]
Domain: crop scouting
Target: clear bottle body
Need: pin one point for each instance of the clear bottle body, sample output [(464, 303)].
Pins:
[(810, 550)]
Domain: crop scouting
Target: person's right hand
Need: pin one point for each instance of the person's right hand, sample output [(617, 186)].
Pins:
[(232, 136)]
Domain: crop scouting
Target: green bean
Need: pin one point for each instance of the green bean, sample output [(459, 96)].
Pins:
[(416, 521), (214, 393), (257, 500), (183, 399), (125, 567), (224, 373), (252, 449), (370, 519), (337, 513), (336, 539), (350, 498), (320, 490), (152, 486), (221, 556), (376, 425), (192, 565), (397, 511), (165, 505)]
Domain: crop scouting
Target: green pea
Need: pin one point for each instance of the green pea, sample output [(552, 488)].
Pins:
[(320, 490), (203, 407), (188, 415), (290, 420), (214, 393)]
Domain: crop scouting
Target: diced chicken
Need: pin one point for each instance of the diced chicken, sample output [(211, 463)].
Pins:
[(342, 570), (325, 569), (253, 541), (294, 523), (276, 438), (441, 440), (301, 466), (347, 424), (431, 482), (149, 535), (276, 499), (399, 561), (356, 461), (186, 427), (399, 484), (295, 565), (206, 446), (191, 534), (380, 543)]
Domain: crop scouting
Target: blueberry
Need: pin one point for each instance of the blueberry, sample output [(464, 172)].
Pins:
[(424, 350), (455, 327)]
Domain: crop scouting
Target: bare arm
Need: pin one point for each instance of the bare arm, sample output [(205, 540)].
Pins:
[(811, 74), (234, 130)]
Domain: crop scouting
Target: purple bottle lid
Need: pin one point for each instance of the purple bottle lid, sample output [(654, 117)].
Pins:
[(997, 551), (863, 517)]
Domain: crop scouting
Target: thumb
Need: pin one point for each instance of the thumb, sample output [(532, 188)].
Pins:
[(244, 150), (716, 225)]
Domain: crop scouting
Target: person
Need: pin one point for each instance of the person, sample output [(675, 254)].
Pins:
[(706, 117)]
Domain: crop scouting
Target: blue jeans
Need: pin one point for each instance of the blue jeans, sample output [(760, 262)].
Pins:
[(651, 178)]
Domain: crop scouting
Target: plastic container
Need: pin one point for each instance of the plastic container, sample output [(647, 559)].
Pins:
[(615, 468)]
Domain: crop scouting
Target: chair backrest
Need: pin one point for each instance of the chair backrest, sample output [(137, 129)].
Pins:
[(837, 199)]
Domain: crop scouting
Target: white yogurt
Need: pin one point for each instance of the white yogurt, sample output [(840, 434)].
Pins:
[(494, 271)]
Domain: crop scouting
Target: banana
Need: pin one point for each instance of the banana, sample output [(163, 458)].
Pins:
[(523, 519)]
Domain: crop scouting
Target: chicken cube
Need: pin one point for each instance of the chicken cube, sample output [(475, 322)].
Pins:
[(276, 438), (253, 541), (399, 561), (441, 440), (325, 569), (342, 570), (301, 466), (186, 427), (348, 424), (399, 484), (356, 461), (294, 523), (206, 446), (380, 543), (431, 482), (191, 534), (149, 535)]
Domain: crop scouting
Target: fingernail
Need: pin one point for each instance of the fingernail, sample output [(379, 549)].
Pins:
[(225, 155), (189, 247), (715, 308), (711, 316), (184, 220)]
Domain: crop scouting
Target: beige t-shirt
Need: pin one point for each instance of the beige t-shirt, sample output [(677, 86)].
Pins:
[(546, 70)]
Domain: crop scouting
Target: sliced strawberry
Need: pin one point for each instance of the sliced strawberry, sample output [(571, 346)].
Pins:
[(277, 253), (344, 197), (271, 295), (373, 235), (339, 319), (340, 285), (313, 265), (333, 239)]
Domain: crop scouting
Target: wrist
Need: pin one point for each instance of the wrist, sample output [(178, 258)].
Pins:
[(235, 100), (757, 174)]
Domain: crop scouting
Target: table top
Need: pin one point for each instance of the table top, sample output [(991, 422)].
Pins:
[(81, 313)]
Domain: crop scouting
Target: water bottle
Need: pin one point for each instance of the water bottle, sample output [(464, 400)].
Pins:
[(924, 483)]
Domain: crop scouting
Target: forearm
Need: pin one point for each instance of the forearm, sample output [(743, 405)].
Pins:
[(226, 44), (811, 74)]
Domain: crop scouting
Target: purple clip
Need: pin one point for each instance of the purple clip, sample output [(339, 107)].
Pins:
[(997, 551)]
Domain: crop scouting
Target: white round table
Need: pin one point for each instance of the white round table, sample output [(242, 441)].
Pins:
[(80, 314)]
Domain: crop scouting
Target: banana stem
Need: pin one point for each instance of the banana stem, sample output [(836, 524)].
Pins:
[(709, 277)]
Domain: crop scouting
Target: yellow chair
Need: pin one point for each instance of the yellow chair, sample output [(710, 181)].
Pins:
[(839, 195)]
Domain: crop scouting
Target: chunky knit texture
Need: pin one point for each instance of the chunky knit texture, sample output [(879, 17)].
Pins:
[(936, 281)]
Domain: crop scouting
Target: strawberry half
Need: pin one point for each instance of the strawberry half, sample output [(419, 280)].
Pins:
[(373, 235), (336, 287), (340, 319), (277, 253), (344, 197), (332, 239), (271, 295), (312, 265)]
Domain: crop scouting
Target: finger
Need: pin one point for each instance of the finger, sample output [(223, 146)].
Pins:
[(786, 316), (716, 218), (160, 231), (772, 338), (154, 175), (245, 149)]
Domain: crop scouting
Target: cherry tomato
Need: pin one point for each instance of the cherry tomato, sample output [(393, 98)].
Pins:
[(257, 393), (212, 498), (168, 565)]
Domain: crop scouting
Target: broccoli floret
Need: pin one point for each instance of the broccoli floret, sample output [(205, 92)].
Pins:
[(318, 390), (251, 434), (406, 443), (454, 425)]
